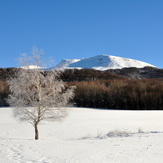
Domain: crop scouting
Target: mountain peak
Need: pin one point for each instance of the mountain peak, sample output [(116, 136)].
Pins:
[(101, 62)]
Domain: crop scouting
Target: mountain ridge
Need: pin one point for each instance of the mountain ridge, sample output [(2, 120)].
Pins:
[(102, 62)]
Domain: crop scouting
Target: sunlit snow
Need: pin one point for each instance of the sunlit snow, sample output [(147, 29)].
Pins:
[(133, 136), (102, 62)]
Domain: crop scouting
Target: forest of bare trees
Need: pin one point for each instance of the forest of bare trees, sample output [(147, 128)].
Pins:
[(135, 94), (105, 90)]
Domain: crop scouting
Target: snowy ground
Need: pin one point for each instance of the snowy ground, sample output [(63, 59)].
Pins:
[(81, 138)]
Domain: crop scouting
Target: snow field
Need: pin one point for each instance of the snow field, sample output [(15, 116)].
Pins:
[(81, 138)]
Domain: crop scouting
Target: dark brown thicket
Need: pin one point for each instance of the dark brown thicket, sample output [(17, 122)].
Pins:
[(3, 92), (5, 73), (70, 75), (144, 94)]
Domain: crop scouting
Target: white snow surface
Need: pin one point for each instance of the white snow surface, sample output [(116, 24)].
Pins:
[(81, 138), (102, 62), (32, 67)]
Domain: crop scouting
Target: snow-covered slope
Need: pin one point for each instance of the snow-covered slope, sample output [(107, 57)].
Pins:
[(66, 63), (102, 62)]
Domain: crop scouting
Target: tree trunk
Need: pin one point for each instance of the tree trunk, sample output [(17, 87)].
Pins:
[(36, 132)]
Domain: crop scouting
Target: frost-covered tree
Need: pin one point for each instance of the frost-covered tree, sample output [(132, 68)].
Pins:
[(38, 95)]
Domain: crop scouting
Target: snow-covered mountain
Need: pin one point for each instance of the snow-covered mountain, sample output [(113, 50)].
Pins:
[(102, 62)]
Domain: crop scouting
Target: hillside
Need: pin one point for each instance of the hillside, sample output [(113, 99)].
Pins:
[(139, 73), (91, 74)]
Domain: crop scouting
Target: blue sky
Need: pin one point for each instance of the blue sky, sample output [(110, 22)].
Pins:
[(68, 29)]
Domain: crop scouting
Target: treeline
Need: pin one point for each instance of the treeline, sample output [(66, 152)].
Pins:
[(5, 73), (144, 94), (4, 91), (139, 73), (103, 89), (70, 75)]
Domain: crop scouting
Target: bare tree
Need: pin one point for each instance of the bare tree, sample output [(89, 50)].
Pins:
[(38, 95)]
